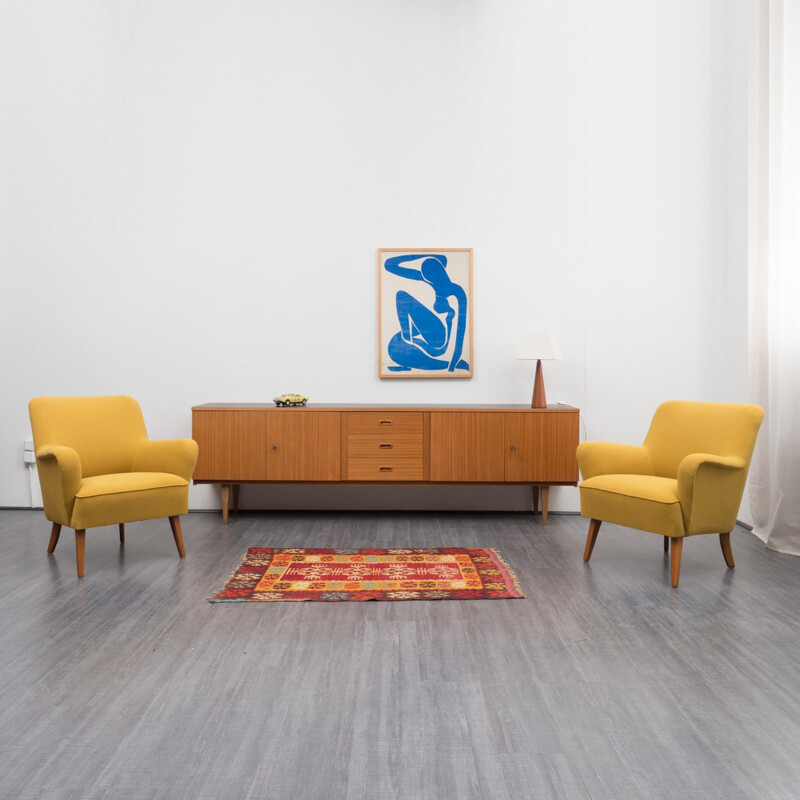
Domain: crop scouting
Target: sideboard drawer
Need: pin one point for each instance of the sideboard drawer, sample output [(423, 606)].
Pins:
[(384, 469), (385, 445), (383, 422)]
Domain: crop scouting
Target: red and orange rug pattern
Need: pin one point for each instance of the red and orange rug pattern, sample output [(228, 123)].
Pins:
[(446, 573)]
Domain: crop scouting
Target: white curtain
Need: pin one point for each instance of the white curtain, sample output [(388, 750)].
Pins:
[(774, 264)]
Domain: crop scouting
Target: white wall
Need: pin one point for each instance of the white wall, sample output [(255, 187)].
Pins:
[(183, 181)]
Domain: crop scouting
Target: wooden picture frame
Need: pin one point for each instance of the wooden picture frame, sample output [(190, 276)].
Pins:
[(425, 313)]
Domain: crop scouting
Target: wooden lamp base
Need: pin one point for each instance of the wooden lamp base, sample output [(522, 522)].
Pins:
[(538, 400)]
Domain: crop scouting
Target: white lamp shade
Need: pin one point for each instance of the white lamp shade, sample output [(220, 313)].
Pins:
[(537, 346)]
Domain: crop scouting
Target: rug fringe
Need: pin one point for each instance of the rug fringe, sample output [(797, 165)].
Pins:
[(507, 568), (214, 598)]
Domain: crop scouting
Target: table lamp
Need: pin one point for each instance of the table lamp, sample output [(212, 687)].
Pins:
[(538, 346)]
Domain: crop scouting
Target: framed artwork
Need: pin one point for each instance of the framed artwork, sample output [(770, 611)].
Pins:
[(425, 313)]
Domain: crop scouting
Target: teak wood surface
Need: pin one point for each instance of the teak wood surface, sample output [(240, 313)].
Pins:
[(467, 447), (303, 448), (234, 445), (385, 446)]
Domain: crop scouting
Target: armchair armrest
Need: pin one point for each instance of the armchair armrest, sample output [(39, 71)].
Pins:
[(60, 476), (176, 456), (710, 490), (613, 458)]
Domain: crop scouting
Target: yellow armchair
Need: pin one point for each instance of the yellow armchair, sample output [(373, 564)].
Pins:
[(97, 467), (687, 478)]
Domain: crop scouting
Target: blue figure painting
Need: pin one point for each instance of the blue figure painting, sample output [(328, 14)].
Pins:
[(432, 333)]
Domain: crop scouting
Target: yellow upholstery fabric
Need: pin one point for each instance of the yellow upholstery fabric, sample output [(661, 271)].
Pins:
[(124, 482), (646, 502), (111, 508), (607, 458), (97, 466), (687, 478), (104, 431)]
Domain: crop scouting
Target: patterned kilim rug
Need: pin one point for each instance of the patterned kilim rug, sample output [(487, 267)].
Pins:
[(444, 573)]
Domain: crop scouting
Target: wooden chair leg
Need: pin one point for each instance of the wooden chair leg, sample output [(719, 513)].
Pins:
[(676, 549), (122, 533), (80, 548), (727, 553), (54, 534), (666, 544), (175, 524), (594, 529)]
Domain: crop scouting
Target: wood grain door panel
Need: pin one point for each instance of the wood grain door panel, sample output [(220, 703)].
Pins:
[(540, 447), (466, 446), (303, 445), (231, 445)]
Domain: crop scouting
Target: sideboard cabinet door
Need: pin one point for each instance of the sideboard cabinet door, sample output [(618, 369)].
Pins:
[(232, 445), (303, 445), (540, 447), (466, 446)]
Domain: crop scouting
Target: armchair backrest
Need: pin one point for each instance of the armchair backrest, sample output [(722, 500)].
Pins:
[(104, 431), (680, 428)]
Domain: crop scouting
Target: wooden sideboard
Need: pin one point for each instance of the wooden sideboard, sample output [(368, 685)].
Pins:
[(401, 445)]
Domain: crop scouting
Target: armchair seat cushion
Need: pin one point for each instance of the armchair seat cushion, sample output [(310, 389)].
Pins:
[(122, 482), (647, 502), (128, 497)]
